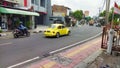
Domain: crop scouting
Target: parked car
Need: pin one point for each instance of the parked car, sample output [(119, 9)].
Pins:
[(56, 30)]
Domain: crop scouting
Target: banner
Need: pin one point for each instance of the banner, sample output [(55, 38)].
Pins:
[(116, 9)]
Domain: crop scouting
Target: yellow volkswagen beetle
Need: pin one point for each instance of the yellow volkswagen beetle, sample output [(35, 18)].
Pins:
[(56, 30)]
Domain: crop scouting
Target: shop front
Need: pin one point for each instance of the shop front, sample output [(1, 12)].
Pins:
[(10, 18)]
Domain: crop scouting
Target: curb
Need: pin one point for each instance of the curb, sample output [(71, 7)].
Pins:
[(89, 59), (78, 43), (40, 31), (3, 34)]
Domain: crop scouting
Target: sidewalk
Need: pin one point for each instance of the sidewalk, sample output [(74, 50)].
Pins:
[(76, 57), (6, 35), (105, 60), (40, 28)]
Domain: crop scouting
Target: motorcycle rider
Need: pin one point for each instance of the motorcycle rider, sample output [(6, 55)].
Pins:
[(22, 28)]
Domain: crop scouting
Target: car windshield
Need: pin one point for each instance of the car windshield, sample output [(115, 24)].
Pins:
[(53, 26)]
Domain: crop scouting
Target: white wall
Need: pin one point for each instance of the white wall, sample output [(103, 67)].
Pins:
[(68, 12), (57, 14)]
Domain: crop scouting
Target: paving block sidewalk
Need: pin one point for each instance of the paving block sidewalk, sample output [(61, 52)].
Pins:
[(71, 58), (105, 60)]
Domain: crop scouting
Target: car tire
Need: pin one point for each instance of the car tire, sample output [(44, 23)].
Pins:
[(57, 35)]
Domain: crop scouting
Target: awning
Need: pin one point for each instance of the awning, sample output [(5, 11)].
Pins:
[(15, 11)]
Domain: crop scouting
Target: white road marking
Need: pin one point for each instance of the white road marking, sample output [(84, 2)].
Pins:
[(5, 43), (12, 66), (74, 44)]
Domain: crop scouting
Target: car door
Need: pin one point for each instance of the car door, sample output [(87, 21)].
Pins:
[(63, 30), (60, 30)]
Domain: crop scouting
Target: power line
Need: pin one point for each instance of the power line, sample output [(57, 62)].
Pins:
[(103, 5)]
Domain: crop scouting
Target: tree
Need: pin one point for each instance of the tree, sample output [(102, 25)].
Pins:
[(116, 16), (78, 14), (88, 18), (102, 14)]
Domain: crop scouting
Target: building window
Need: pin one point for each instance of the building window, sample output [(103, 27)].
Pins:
[(42, 3), (36, 2), (32, 1)]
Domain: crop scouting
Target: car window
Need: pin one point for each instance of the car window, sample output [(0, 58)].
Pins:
[(52, 26), (63, 27), (59, 27)]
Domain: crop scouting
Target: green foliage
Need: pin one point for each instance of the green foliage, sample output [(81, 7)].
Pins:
[(102, 14), (88, 18), (28, 24), (1, 31), (17, 23), (78, 14), (116, 22), (110, 16)]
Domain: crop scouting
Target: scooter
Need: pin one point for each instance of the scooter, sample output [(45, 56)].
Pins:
[(17, 33)]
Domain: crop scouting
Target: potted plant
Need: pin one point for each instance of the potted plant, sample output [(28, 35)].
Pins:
[(116, 24), (28, 24), (1, 31)]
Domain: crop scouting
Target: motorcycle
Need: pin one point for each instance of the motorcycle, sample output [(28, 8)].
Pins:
[(17, 33)]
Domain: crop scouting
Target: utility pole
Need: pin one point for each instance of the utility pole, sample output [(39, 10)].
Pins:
[(111, 31), (107, 10), (33, 17)]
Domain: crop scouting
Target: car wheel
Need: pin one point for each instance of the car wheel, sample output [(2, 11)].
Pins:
[(57, 35)]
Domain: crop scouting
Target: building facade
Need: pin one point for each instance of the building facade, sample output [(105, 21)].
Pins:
[(30, 12), (43, 7), (86, 13), (59, 10), (12, 12)]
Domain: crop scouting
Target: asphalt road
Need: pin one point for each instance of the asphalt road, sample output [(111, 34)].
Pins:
[(13, 51)]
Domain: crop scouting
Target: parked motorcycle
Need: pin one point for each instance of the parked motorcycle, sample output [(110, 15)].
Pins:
[(17, 33)]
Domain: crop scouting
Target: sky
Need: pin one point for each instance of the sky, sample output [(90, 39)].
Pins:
[(92, 6)]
